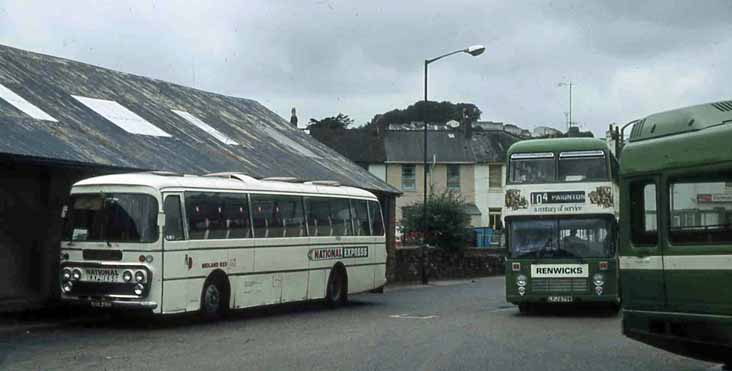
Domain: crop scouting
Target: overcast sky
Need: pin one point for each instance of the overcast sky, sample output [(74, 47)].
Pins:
[(627, 58)]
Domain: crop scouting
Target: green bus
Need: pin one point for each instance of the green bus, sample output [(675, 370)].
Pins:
[(676, 231), (560, 220)]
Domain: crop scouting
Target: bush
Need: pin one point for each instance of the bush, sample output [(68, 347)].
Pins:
[(447, 221)]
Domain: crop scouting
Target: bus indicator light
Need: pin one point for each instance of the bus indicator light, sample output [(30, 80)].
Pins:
[(603, 266), (516, 267)]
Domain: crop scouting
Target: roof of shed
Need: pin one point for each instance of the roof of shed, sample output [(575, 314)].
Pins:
[(75, 133)]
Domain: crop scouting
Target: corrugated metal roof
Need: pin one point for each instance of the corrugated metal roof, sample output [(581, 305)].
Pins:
[(268, 146)]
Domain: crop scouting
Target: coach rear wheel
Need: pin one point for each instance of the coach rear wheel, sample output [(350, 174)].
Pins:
[(213, 304), (337, 290)]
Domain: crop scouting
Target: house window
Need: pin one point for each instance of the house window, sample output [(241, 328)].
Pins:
[(409, 179), (494, 176), (494, 218), (453, 178)]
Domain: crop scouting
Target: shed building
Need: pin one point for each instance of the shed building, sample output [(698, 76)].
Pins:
[(61, 121)]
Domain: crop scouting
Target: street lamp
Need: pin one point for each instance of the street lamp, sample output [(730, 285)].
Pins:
[(475, 51), (569, 84)]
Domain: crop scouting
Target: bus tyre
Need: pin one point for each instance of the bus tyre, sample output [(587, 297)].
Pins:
[(336, 294), (524, 308), (213, 303)]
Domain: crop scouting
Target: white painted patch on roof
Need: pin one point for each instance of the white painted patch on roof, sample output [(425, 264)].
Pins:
[(223, 138), (26, 107), (289, 143), (122, 117)]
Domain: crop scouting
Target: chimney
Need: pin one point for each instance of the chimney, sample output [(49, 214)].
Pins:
[(293, 118), (467, 124)]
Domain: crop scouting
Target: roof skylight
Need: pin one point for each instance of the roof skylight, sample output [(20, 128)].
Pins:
[(23, 105), (122, 117), (223, 138)]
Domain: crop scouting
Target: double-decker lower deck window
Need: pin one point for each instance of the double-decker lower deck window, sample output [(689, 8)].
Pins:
[(701, 212), (112, 217)]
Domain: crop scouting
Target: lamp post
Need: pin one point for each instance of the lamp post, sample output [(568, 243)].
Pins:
[(475, 51), (569, 84)]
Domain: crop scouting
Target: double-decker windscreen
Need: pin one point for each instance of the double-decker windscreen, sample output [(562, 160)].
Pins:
[(562, 238), (112, 217)]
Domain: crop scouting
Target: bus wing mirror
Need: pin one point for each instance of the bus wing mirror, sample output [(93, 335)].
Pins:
[(161, 219), (65, 212)]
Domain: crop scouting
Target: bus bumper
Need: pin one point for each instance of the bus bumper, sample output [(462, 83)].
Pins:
[(705, 337), (122, 304)]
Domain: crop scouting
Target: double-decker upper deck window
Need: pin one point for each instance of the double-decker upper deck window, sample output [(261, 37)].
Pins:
[(578, 166), (409, 178), (112, 217), (701, 212), (527, 168)]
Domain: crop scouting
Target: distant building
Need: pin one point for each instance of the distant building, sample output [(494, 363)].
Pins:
[(471, 162), (61, 121)]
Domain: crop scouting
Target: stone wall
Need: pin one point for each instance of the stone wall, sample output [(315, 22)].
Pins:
[(442, 264)]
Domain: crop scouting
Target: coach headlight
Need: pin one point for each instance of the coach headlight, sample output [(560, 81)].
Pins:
[(127, 276), (139, 289), (66, 274), (68, 285), (598, 290), (139, 277), (598, 279), (522, 290), (76, 274), (521, 280)]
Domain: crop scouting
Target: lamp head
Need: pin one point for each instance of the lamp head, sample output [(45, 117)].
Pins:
[(475, 50)]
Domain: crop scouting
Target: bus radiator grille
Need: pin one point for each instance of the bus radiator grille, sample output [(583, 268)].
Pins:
[(559, 285)]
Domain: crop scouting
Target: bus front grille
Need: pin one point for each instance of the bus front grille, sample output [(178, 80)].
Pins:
[(559, 285)]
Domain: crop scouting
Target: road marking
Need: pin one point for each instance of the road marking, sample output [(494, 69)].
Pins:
[(414, 316)]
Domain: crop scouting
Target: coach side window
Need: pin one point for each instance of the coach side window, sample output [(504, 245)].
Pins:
[(340, 209), (263, 210), (293, 218), (700, 211), (360, 213), (319, 216), (377, 222), (173, 219), (643, 213), (236, 215), (204, 215)]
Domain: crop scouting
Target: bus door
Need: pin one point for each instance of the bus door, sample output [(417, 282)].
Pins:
[(175, 261), (698, 251), (641, 263)]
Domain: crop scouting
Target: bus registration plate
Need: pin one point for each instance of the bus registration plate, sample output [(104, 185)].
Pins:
[(560, 299), (102, 275)]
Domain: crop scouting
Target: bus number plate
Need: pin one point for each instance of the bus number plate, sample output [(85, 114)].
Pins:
[(100, 304), (102, 275), (560, 299)]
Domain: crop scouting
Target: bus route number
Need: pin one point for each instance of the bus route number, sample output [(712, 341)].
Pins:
[(538, 198)]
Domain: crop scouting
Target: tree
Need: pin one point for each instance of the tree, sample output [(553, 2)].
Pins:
[(339, 121), (447, 221), (430, 111)]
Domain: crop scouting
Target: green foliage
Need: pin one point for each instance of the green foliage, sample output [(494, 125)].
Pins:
[(340, 121), (438, 112), (447, 221)]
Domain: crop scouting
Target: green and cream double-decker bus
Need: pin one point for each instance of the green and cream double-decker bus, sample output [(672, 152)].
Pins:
[(561, 222), (676, 231)]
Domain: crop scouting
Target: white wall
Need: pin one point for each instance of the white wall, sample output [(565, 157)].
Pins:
[(379, 170), (486, 198)]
